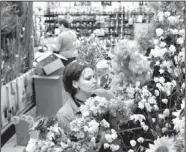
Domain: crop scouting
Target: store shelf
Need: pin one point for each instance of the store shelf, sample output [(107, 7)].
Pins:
[(113, 21)]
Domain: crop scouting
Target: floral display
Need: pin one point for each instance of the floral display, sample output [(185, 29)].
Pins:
[(147, 114)]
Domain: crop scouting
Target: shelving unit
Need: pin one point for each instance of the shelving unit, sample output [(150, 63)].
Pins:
[(112, 24)]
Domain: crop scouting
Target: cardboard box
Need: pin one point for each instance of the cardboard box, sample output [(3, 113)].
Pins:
[(50, 94), (49, 63)]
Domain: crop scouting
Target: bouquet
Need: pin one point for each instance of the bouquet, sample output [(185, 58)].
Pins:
[(97, 128)]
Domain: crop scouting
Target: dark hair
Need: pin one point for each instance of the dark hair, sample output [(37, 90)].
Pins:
[(64, 22), (72, 72)]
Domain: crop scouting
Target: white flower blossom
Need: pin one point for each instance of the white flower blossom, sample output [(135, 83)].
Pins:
[(156, 107), (166, 112), (159, 86), (130, 150), (157, 93), (161, 71), (162, 80), (157, 63), (108, 137), (148, 107), (114, 147), (167, 14), (114, 136), (172, 49), (156, 42), (133, 143), (180, 41), (173, 19), (173, 82), (153, 120), (141, 105), (156, 79), (162, 44), (140, 140), (137, 84), (145, 127), (93, 126), (105, 123), (165, 101), (159, 32), (174, 31), (158, 52), (137, 117), (182, 32), (106, 145), (161, 116), (161, 16)]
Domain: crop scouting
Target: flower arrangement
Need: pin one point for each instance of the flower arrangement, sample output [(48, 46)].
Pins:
[(148, 113), (129, 65), (157, 102), (97, 127)]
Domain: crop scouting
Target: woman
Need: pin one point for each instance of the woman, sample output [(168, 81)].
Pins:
[(80, 83)]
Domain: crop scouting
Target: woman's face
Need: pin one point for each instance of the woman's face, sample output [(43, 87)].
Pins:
[(87, 82)]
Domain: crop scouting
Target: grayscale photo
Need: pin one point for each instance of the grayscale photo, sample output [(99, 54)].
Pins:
[(92, 76)]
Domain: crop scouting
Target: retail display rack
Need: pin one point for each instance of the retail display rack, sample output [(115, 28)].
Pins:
[(104, 23)]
